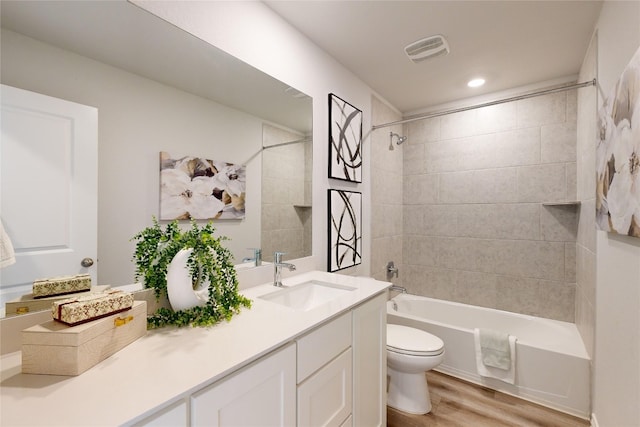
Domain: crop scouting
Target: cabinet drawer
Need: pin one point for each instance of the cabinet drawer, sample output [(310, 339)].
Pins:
[(325, 398), (323, 344)]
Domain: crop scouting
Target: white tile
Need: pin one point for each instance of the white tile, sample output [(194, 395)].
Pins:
[(543, 183), (414, 161), (572, 191), (500, 221), (496, 150), (475, 288), (558, 142), (542, 110), (458, 125), (496, 118), (420, 250), (485, 186), (534, 259), (420, 189), (423, 131), (438, 220), (570, 262)]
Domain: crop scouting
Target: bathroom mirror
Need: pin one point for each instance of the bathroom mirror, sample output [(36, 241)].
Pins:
[(127, 63)]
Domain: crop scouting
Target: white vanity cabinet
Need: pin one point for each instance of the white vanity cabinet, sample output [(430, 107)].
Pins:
[(370, 363), (349, 358), (325, 374), (334, 375), (262, 394)]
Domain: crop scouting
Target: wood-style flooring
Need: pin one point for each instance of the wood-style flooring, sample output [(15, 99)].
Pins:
[(460, 403)]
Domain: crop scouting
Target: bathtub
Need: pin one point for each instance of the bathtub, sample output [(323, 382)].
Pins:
[(552, 365)]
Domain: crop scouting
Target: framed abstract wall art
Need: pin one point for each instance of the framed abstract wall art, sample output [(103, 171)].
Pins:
[(199, 188), (345, 140), (618, 155), (345, 229)]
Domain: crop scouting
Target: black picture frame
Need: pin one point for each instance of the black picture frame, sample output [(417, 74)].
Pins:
[(345, 229), (345, 140)]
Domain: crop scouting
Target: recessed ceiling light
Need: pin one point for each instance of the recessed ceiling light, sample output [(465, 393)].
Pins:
[(475, 83)]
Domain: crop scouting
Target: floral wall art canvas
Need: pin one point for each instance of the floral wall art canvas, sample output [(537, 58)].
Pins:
[(618, 155), (199, 188), (345, 140), (345, 229)]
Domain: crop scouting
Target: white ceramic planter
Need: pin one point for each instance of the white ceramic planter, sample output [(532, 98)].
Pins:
[(179, 287)]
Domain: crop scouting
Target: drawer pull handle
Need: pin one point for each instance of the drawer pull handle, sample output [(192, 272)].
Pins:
[(22, 310), (119, 321)]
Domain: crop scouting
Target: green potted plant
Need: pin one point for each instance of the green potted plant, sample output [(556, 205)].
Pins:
[(208, 263)]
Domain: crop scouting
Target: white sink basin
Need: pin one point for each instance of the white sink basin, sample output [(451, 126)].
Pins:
[(307, 295)]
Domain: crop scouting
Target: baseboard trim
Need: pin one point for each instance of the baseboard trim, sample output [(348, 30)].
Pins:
[(594, 420)]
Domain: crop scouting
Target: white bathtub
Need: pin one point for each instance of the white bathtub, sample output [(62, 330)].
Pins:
[(552, 365)]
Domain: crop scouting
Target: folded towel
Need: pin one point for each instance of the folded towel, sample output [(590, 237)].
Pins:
[(494, 347), (495, 354)]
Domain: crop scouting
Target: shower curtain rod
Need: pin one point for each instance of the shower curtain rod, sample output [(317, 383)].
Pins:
[(254, 155), (486, 104)]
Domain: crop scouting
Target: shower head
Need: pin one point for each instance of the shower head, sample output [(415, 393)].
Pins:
[(400, 139)]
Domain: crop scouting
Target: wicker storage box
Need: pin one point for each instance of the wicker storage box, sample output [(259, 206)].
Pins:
[(53, 348), (61, 285), (81, 309), (28, 304)]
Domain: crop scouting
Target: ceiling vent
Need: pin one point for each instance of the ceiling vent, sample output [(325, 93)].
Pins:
[(426, 48)]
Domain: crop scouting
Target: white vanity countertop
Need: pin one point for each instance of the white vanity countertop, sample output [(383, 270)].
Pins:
[(169, 363)]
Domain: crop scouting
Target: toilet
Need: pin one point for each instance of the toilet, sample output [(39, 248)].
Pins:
[(410, 353)]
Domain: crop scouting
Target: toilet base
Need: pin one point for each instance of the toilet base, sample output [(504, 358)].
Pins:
[(408, 392)]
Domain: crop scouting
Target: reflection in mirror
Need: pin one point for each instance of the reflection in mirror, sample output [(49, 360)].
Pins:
[(156, 88), (286, 193)]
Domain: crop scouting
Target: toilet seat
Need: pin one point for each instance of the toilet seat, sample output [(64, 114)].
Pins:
[(412, 341)]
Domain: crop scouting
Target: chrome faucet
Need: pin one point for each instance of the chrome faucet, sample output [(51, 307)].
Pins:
[(277, 268), (257, 257)]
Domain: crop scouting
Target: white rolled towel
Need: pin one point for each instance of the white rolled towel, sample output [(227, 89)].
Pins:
[(495, 354)]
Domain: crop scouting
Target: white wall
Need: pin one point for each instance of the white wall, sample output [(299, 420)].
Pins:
[(138, 118), (616, 400), (255, 34)]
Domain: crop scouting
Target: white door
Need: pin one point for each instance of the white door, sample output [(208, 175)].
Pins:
[(48, 181)]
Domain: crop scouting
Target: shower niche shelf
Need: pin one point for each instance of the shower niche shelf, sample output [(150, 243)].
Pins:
[(574, 203)]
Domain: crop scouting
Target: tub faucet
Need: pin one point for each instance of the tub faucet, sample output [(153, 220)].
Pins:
[(277, 268), (398, 289), (392, 270)]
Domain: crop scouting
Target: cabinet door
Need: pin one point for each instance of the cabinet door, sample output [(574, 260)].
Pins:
[(263, 394), (325, 398), (370, 363)]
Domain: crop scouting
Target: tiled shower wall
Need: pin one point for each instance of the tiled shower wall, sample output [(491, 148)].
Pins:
[(286, 197), (386, 194), (476, 227)]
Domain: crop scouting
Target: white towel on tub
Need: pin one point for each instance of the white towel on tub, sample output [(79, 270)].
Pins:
[(493, 347)]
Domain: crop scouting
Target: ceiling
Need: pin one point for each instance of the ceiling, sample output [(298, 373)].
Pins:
[(509, 43)]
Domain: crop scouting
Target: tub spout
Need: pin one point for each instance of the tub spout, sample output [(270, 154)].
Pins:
[(398, 288)]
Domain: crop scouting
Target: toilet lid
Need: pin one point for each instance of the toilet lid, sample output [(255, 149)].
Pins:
[(412, 341)]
